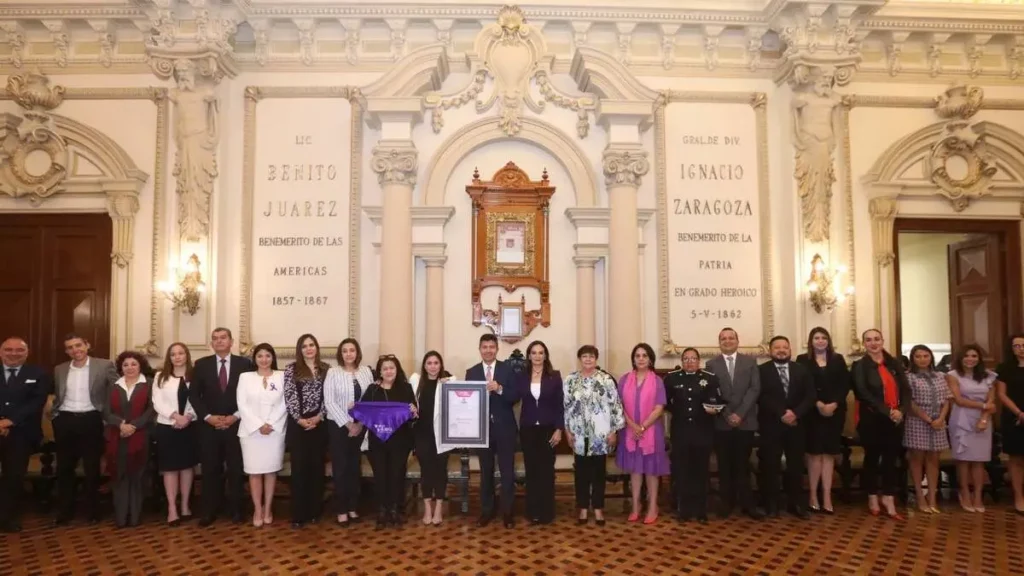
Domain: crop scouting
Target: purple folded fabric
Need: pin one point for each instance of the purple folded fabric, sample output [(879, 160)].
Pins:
[(381, 418)]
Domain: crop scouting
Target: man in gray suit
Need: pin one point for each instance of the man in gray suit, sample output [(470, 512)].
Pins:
[(81, 388), (740, 384)]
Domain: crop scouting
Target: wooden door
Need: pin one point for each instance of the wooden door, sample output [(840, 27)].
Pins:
[(977, 299), (56, 280)]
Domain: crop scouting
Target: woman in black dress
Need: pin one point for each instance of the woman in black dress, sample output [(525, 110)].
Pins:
[(1010, 389), (433, 466), (176, 444), (390, 458), (825, 424)]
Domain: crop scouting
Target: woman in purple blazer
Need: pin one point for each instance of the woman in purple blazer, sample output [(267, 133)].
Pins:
[(541, 421)]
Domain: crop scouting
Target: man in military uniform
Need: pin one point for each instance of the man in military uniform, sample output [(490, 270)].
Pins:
[(693, 399)]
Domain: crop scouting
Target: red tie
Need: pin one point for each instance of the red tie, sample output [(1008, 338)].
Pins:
[(222, 377)]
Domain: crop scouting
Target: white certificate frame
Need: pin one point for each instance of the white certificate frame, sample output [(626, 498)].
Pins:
[(481, 437)]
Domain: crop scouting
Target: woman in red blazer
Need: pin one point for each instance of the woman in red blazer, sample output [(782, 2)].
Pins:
[(541, 421)]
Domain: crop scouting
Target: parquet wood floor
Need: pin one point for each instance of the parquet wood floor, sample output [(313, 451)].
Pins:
[(851, 542)]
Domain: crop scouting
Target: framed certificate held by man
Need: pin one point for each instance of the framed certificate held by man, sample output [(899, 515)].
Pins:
[(464, 420)]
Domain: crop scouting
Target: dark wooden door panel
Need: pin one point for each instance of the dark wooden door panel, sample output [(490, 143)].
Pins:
[(977, 314), (56, 280)]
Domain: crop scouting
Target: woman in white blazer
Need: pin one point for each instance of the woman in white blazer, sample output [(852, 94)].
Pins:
[(177, 449), (261, 429)]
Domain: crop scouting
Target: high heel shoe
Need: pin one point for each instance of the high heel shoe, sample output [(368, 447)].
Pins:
[(651, 519), (874, 511), (633, 517), (935, 510), (814, 508), (894, 515)]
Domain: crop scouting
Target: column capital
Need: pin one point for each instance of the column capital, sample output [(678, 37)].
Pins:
[(821, 38), (585, 261), (395, 162), (625, 165), (434, 261), (197, 33)]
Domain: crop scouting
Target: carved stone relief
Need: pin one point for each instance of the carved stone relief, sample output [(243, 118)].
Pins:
[(196, 136), (36, 157), (815, 122), (514, 56), (959, 162)]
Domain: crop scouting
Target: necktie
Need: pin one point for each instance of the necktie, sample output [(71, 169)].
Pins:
[(11, 373), (784, 376), (489, 374), (222, 376), (731, 361)]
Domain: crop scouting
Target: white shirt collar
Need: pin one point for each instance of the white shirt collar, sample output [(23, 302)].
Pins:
[(221, 358), (83, 366), (729, 356), (121, 382), (491, 365)]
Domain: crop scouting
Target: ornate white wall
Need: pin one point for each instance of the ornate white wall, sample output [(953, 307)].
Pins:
[(878, 85)]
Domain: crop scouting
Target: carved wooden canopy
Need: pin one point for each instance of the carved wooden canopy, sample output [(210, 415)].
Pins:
[(510, 245)]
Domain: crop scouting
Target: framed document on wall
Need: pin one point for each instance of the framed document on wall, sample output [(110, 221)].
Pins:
[(510, 248)]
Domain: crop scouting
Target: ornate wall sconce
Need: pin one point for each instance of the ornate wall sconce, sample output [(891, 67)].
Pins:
[(825, 286), (185, 294)]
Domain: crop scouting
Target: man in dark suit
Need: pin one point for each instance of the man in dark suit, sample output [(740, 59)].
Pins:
[(740, 385), (23, 392), (504, 395), (82, 385), (212, 394), (787, 396)]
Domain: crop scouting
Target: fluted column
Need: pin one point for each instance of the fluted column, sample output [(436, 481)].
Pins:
[(395, 165), (624, 165), (586, 333), (434, 317)]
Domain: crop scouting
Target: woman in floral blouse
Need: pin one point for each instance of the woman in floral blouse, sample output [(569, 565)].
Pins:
[(593, 415)]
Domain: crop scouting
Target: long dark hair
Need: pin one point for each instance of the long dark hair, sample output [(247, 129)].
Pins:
[(650, 355), (273, 354), (548, 369), (400, 377), (302, 371), (442, 373), (359, 352), (921, 348), (168, 368), (978, 372), (829, 349)]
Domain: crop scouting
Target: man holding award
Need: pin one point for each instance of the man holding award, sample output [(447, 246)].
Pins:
[(503, 431)]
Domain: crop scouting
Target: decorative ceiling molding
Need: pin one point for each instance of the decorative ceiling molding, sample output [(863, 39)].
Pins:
[(734, 39)]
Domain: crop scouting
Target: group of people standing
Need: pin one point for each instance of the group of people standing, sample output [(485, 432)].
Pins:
[(236, 415)]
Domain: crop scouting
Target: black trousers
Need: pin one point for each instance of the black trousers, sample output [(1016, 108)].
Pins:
[(776, 441), (690, 471), (79, 436), (307, 449), (433, 468), (220, 449), (732, 453), (539, 458), (14, 454), (389, 461), (883, 449), (502, 447), (345, 467), (589, 477)]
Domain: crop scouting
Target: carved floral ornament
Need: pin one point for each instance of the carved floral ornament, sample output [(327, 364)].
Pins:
[(959, 162), (514, 56), (39, 152)]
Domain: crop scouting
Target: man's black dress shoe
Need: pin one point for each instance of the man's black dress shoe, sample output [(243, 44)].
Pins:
[(755, 513), (702, 519), (799, 512), (62, 520), (10, 527), (509, 521), (599, 521), (206, 521), (484, 520), (297, 525), (236, 518)]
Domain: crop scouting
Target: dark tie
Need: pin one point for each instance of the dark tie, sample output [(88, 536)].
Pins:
[(784, 376), (222, 377), (11, 373)]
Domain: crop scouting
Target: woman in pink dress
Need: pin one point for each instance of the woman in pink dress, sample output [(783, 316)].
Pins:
[(641, 449), (970, 428)]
